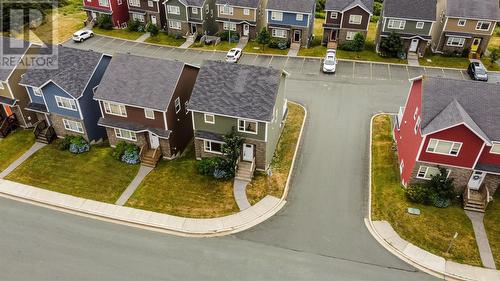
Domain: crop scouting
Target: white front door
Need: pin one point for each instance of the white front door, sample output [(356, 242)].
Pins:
[(154, 141), (247, 152), (246, 29), (94, 15), (413, 45), (153, 20), (476, 180)]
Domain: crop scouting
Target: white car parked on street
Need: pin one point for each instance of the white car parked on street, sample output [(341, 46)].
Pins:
[(82, 35), (233, 55), (330, 61)]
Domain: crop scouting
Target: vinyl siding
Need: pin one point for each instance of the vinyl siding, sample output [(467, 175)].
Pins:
[(470, 27), (34, 99), (195, 16), (224, 125), (50, 91), (289, 19), (410, 27), (238, 14), (275, 128), (4, 90), (182, 16)]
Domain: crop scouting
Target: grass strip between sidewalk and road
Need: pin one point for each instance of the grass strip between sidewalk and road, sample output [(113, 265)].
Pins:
[(492, 226), (94, 175), (434, 228), (164, 39), (15, 145), (118, 33), (262, 184)]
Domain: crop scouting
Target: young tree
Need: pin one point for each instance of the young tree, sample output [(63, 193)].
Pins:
[(358, 42), (263, 37), (494, 56), (392, 45), (104, 22), (441, 188)]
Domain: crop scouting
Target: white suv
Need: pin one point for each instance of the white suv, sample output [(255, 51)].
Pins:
[(82, 35)]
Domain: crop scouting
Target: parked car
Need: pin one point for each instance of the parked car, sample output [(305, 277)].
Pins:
[(233, 55), (477, 71), (82, 35), (330, 61)]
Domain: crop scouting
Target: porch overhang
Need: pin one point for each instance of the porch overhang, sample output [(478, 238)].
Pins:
[(137, 11), (133, 126), (457, 34), (491, 168), (97, 10), (7, 101), (36, 107), (208, 136), (331, 26), (409, 36)]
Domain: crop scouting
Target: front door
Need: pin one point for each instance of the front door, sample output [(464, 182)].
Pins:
[(93, 15), (297, 35), (414, 45), (193, 28), (154, 141), (333, 35), (476, 180), (246, 29), (475, 44), (247, 152), (8, 110), (153, 20)]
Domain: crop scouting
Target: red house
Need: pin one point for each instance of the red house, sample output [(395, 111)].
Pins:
[(117, 9), (453, 124)]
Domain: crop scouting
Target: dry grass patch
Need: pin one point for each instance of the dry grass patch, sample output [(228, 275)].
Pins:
[(263, 185)]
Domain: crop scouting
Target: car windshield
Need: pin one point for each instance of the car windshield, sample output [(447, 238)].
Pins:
[(230, 55), (480, 70), (329, 62)]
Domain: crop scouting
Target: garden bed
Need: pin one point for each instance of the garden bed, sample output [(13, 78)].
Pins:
[(92, 175), (434, 228), (15, 145)]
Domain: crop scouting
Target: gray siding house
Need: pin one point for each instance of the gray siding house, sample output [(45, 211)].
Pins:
[(62, 97), (190, 17), (412, 20), (247, 100)]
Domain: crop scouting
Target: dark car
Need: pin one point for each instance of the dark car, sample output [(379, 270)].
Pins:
[(477, 71)]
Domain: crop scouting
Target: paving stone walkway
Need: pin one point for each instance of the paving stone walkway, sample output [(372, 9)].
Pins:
[(481, 239), (143, 37), (36, 146), (240, 194), (143, 172)]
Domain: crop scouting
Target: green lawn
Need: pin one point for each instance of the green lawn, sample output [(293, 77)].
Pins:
[(15, 145), (175, 187), (492, 225), (434, 228), (274, 185), (367, 55), (489, 65), (254, 47), (222, 46), (442, 61), (119, 33), (93, 175), (164, 39)]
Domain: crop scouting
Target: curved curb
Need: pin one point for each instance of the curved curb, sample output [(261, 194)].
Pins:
[(389, 247), (186, 227)]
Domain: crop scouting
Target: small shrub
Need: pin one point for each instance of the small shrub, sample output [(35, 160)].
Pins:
[(135, 25), (64, 143), (152, 29), (263, 37), (276, 43), (465, 53), (119, 150), (104, 22), (494, 56), (316, 41), (221, 174), (374, 18), (356, 45), (441, 203), (207, 166), (442, 186), (78, 145), (131, 154), (392, 45), (320, 15), (418, 193)]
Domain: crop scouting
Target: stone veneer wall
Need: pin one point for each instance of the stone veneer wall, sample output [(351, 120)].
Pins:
[(343, 33), (57, 123), (141, 140)]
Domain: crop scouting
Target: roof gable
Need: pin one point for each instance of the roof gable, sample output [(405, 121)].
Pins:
[(342, 5), (410, 9), (240, 3), (300, 6)]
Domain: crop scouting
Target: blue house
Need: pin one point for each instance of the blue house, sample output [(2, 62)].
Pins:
[(62, 96), (291, 20)]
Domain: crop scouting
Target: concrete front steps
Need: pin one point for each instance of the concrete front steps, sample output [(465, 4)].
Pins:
[(244, 171), (475, 202)]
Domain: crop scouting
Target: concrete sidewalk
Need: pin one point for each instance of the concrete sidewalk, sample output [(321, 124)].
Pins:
[(238, 222), (141, 174), (481, 239), (436, 265)]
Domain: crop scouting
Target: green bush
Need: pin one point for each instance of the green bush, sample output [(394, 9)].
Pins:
[(104, 21), (277, 43), (494, 56), (122, 148), (355, 45), (224, 36), (438, 191), (316, 41), (152, 29), (392, 45), (419, 193), (64, 143), (135, 25), (320, 15), (207, 166), (374, 18)]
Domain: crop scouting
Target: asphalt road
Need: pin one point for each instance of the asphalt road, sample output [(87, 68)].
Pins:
[(319, 235)]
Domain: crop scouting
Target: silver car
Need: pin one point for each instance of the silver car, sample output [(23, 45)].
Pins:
[(330, 61)]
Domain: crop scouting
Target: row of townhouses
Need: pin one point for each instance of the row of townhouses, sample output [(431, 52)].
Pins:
[(159, 105)]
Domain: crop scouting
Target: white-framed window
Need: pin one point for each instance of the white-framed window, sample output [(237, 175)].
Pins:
[(175, 10), (299, 17), (149, 113), (280, 33), (1, 86), (213, 146), (444, 147), (483, 25), (277, 16), (125, 135), (194, 10), (73, 126), (247, 126), (209, 118), (104, 3), (207, 9), (177, 105), (420, 25), (415, 114), (417, 125), (350, 35), (334, 15), (115, 109), (37, 92), (455, 41), (461, 22), (135, 3), (426, 172), (396, 24), (66, 103), (401, 166), (173, 24), (150, 3), (246, 12), (226, 10), (138, 17), (229, 26), (495, 148), (355, 19)]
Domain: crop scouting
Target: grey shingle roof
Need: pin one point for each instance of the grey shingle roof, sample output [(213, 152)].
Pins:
[(132, 126), (196, 3), (411, 9), (236, 90), (141, 81), (302, 6), (474, 9), (74, 69), (340, 5), (13, 50), (241, 3), (447, 101)]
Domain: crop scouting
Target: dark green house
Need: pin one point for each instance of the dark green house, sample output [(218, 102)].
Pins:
[(190, 17)]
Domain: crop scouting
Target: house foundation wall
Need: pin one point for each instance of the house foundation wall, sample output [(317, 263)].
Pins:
[(56, 121), (142, 139)]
